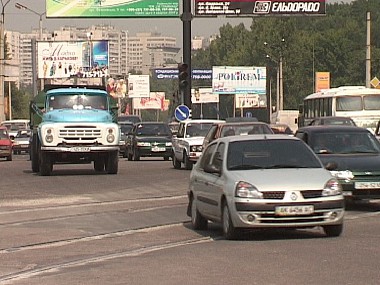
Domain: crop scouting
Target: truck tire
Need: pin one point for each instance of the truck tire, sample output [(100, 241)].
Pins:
[(34, 155), (99, 164), (46, 164), (112, 163)]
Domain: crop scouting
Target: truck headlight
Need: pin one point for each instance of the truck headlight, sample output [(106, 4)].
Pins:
[(110, 136), (49, 136)]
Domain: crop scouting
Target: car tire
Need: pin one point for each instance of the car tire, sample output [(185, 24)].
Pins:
[(166, 158), (46, 165), (229, 231), (333, 230), (197, 220), (188, 164), (9, 158), (176, 163)]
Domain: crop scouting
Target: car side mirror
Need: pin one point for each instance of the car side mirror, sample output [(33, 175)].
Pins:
[(331, 165), (210, 168)]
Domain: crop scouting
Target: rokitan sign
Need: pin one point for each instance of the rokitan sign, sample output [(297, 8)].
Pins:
[(207, 8)]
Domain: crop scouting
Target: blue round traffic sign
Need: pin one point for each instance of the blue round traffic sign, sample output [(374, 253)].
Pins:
[(182, 112)]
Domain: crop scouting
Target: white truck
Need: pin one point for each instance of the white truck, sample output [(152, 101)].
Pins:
[(187, 143), (287, 117)]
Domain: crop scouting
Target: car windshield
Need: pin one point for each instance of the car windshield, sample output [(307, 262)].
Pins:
[(125, 129), (197, 129), (22, 135), (247, 129), (153, 130), (77, 101), (270, 154), (344, 143)]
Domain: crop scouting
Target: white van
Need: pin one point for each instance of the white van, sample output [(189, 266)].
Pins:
[(288, 117)]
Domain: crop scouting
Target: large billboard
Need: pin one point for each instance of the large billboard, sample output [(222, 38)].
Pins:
[(239, 80), (213, 8), (112, 8), (58, 59)]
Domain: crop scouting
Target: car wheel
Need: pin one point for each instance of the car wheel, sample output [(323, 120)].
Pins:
[(176, 163), (136, 156), (166, 158), (333, 231), (188, 164), (9, 158), (197, 220), (229, 231)]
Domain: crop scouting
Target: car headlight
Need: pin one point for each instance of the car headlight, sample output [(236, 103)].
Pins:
[(332, 188), (343, 174), (49, 136), (168, 144), (196, 148), (247, 190), (143, 143)]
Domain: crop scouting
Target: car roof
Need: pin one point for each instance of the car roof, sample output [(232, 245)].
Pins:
[(256, 137), (202, 121), (331, 128)]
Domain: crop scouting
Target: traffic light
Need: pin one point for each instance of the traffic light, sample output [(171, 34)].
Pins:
[(183, 75)]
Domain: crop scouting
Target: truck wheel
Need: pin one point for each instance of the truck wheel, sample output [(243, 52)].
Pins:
[(112, 164), (34, 155), (99, 164), (46, 165), (187, 162)]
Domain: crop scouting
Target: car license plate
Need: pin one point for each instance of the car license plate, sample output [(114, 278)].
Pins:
[(80, 149), (157, 149), (294, 210), (367, 185)]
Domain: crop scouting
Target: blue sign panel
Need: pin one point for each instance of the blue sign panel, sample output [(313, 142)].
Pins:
[(172, 73), (182, 112)]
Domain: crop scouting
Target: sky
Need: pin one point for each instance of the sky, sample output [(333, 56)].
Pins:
[(24, 21)]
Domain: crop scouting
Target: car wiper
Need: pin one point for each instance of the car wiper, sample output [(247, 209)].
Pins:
[(358, 151), (246, 166)]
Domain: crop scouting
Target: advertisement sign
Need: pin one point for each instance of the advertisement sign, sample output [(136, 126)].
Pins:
[(111, 9), (203, 95), (239, 79), (70, 59), (172, 73), (207, 8), (250, 101), (322, 81), (155, 101), (138, 86)]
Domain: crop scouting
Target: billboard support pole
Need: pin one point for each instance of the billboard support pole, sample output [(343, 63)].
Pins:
[(34, 67)]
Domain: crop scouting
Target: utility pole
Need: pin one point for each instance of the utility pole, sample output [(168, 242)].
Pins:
[(186, 18), (368, 52), (2, 63)]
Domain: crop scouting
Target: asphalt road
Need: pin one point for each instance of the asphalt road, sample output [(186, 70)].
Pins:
[(80, 227)]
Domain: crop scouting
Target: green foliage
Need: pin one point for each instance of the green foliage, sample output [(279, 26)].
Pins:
[(20, 101), (335, 43)]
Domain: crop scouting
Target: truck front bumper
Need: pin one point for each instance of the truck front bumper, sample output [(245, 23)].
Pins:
[(80, 148)]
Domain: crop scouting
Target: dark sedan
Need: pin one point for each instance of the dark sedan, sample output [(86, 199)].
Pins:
[(355, 154), (149, 139)]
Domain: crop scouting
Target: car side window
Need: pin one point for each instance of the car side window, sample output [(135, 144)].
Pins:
[(207, 155), (219, 156)]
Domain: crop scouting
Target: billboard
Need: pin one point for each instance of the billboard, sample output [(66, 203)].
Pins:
[(213, 8), (111, 8), (239, 79), (156, 100), (250, 101), (322, 81), (172, 73), (138, 86), (203, 95), (72, 59)]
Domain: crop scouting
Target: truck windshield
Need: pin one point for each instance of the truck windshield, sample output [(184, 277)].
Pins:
[(77, 102)]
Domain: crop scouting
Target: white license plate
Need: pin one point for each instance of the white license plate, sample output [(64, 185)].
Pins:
[(294, 210), (367, 185), (157, 149), (80, 149)]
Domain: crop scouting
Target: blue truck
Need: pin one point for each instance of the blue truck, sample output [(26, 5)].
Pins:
[(74, 124)]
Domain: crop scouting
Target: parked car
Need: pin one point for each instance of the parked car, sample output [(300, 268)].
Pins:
[(263, 181), (223, 129), (21, 142), (125, 128), (354, 151), (331, 120), (187, 144), (151, 139), (129, 118), (5, 144)]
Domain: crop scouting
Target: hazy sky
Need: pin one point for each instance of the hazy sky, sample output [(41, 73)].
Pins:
[(25, 21)]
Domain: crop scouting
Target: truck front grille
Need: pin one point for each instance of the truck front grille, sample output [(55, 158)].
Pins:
[(75, 133)]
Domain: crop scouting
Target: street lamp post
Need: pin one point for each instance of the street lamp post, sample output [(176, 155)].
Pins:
[(280, 79), (23, 7), (2, 59)]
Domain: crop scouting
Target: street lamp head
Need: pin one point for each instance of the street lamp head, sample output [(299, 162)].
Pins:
[(20, 6)]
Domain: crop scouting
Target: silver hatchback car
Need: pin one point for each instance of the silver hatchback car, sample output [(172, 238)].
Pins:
[(263, 181)]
